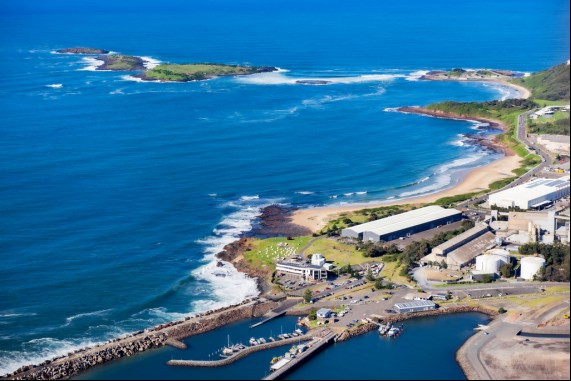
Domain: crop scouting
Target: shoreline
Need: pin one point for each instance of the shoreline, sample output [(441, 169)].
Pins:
[(317, 218)]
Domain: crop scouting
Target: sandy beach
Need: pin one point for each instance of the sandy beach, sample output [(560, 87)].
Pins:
[(316, 218)]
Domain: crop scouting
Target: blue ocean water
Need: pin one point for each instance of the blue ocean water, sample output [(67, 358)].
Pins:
[(116, 194)]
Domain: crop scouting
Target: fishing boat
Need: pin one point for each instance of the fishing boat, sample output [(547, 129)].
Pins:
[(253, 341), (261, 340)]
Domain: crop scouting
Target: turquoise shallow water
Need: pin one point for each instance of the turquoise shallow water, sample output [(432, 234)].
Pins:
[(115, 194)]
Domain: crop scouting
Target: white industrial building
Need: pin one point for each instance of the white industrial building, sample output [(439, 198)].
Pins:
[(533, 194), (530, 266), (301, 271), (404, 224)]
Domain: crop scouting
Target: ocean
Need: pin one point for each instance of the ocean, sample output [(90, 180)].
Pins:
[(115, 194)]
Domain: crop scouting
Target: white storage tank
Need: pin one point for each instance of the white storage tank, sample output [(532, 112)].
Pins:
[(530, 266), (492, 260)]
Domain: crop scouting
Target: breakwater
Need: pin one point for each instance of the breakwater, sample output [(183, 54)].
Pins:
[(241, 354), (67, 366)]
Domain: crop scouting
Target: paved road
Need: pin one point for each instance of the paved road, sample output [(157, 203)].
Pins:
[(522, 137)]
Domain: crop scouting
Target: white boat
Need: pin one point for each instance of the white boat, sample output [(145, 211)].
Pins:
[(226, 352), (299, 331), (261, 340), (253, 341)]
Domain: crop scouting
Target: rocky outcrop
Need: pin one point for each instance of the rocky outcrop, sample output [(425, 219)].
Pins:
[(359, 330), (82, 51), (121, 62)]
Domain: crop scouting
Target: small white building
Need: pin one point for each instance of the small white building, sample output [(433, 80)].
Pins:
[(317, 260), (324, 313)]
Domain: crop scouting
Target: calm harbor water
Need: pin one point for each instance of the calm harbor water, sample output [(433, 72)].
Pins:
[(426, 350), (116, 194)]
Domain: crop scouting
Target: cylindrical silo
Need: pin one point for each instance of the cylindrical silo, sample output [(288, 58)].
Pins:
[(488, 263), (530, 266)]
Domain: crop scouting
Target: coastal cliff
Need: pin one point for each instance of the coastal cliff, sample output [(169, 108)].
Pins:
[(82, 51)]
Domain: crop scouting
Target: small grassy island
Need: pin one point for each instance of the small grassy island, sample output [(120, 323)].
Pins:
[(120, 62), (83, 51), (468, 75), (198, 72)]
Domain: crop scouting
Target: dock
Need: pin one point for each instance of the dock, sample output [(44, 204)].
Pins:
[(243, 353), (281, 310), (318, 343)]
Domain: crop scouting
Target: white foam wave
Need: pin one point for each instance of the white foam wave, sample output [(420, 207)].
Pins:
[(212, 194), (476, 125), (70, 319), (305, 192), (348, 194), (92, 64), (391, 109), (118, 91), (278, 78), (37, 350), (55, 85), (132, 78), (416, 75), (444, 176), (361, 193), (231, 286), (10, 315), (461, 142), (249, 198), (150, 62)]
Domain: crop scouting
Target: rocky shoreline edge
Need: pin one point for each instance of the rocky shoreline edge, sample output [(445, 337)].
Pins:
[(491, 144)]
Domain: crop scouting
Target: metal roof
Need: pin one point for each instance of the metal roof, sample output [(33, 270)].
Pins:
[(475, 231), (404, 220), (415, 304), (531, 190)]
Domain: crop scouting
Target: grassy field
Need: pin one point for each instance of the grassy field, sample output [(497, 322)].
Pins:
[(391, 273), (266, 252), (196, 72), (535, 302), (340, 253), (557, 289)]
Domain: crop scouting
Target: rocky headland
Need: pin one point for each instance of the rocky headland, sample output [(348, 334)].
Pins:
[(82, 51), (121, 62)]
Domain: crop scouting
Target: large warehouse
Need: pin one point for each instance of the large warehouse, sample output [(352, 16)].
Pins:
[(404, 224), (533, 194)]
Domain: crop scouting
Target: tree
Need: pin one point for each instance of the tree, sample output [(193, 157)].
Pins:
[(443, 264), (379, 284), (506, 270), (369, 276), (307, 296), (487, 278), (502, 310), (312, 315)]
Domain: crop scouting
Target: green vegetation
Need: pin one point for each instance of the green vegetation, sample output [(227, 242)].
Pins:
[(452, 200), (551, 84), (312, 315), (120, 62), (199, 71), (502, 310), (307, 295), (558, 125), (338, 252), (557, 260)]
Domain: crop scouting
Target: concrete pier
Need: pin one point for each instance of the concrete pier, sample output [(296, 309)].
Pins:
[(242, 353), (318, 343)]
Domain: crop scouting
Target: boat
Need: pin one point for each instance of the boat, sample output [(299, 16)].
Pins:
[(253, 341), (299, 331), (271, 339), (393, 332), (227, 352), (261, 340), (384, 328)]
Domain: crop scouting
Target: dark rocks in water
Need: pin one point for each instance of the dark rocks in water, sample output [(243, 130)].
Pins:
[(265, 69), (219, 264), (275, 220), (121, 62), (312, 82), (83, 51)]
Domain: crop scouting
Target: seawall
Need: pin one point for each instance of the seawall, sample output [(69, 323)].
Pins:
[(74, 363)]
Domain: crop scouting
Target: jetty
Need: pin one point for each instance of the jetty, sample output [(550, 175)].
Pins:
[(245, 352), (319, 342), (281, 310)]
